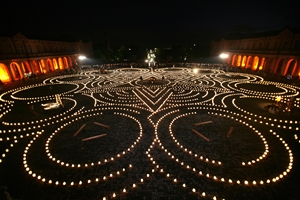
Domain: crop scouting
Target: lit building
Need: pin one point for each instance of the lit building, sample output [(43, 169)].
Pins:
[(21, 56), (276, 52)]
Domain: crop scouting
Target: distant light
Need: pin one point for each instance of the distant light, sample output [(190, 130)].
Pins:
[(82, 57), (278, 98), (195, 70), (224, 55)]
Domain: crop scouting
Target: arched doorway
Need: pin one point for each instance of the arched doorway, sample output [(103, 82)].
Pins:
[(255, 63), (279, 67), (70, 62), (233, 60), (43, 66), (239, 59), (262, 63), (66, 62), (36, 67), (55, 64), (50, 66), (4, 74), (248, 63), (60, 63), (290, 67), (269, 65), (26, 67), (244, 61), (16, 71)]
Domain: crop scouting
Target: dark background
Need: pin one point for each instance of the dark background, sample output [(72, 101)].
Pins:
[(145, 24)]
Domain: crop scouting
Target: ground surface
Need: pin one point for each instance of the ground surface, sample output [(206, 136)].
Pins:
[(191, 135)]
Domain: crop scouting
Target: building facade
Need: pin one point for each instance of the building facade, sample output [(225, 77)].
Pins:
[(21, 57), (276, 52)]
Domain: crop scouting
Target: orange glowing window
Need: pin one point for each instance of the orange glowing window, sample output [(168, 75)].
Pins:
[(233, 60), (55, 64), (16, 71), (4, 75), (239, 60), (262, 62), (43, 67), (66, 62), (255, 63), (50, 65), (60, 63), (244, 61)]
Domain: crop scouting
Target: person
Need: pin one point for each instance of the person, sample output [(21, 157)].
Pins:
[(4, 194)]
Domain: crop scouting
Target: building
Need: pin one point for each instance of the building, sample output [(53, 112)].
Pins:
[(21, 57), (276, 52)]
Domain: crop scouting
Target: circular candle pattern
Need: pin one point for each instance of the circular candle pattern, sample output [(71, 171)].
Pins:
[(191, 128)]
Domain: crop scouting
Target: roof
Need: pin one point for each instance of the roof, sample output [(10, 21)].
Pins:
[(237, 35)]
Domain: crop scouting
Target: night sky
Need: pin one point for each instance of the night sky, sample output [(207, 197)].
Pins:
[(146, 23)]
